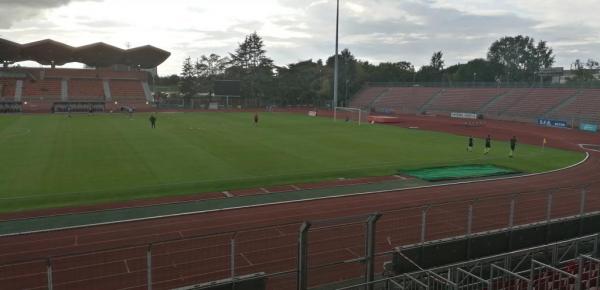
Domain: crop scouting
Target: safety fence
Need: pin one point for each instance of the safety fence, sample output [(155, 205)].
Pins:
[(582, 85), (571, 264), (324, 252)]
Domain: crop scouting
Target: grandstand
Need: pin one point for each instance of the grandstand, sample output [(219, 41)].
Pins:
[(117, 79), (520, 104)]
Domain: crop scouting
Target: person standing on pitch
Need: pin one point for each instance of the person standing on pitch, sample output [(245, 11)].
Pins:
[(255, 119), (152, 121), (470, 146), (488, 144), (513, 144)]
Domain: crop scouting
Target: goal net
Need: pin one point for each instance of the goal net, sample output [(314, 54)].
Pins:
[(348, 114)]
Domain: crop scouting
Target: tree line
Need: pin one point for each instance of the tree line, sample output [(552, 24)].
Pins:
[(509, 59)]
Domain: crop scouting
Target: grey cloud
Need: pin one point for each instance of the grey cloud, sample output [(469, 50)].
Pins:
[(461, 36), (13, 11), (102, 23), (388, 30)]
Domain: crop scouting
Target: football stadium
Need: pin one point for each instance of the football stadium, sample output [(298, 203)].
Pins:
[(237, 173)]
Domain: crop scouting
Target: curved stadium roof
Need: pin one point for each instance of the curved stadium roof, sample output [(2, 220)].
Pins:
[(9, 50), (48, 52)]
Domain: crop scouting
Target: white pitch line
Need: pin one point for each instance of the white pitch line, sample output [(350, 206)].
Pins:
[(587, 155), (582, 146)]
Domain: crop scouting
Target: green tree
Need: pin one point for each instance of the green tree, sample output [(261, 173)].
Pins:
[(390, 72), (348, 83), (187, 82), (300, 83), (437, 61), (583, 72), (208, 69), (433, 72), (478, 70), (250, 64), (520, 57)]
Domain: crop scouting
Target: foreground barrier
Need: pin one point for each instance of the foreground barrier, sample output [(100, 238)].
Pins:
[(570, 264), (349, 249)]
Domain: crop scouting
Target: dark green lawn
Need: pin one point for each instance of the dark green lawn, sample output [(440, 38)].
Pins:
[(52, 160)]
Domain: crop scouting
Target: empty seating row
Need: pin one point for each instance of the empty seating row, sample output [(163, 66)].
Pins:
[(42, 73), (508, 100), (585, 106), (77, 89), (366, 96), (82, 89), (405, 99), (7, 88), (127, 90), (539, 101), (44, 89), (464, 100)]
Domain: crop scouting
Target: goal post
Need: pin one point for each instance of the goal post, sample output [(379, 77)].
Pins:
[(349, 114)]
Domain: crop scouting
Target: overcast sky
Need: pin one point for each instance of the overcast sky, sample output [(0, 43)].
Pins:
[(293, 30)]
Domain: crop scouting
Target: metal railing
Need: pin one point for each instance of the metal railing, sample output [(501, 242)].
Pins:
[(491, 85), (514, 270)]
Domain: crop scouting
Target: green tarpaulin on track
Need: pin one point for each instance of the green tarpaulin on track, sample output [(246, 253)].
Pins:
[(458, 172)]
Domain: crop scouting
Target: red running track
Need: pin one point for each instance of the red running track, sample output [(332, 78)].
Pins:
[(189, 259)]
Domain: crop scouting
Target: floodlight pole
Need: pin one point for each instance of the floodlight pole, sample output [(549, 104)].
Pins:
[(335, 73)]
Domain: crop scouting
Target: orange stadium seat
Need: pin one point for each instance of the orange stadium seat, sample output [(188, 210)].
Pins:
[(87, 90), (464, 100), (8, 89), (405, 99)]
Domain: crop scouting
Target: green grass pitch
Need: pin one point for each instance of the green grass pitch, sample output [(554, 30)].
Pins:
[(53, 160)]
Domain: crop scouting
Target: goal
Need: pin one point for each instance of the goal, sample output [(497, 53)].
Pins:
[(348, 114)]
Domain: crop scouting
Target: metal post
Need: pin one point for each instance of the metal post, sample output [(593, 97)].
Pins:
[(335, 73), (531, 274), (232, 257), (470, 220), (595, 246), (582, 202), (549, 208), (549, 215), (511, 221), (469, 230), (580, 272), (582, 209), (511, 216), (49, 273), (370, 250), (302, 276), (554, 260), (149, 266), (424, 223)]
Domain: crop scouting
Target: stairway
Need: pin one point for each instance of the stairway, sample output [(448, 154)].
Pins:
[(494, 101), (431, 100), (563, 104), (374, 100)]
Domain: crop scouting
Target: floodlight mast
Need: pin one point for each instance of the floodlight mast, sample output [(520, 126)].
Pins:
[(335, 73)]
